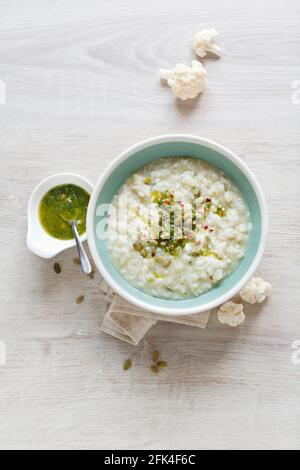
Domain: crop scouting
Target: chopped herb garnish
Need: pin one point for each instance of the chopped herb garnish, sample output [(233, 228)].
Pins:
[(196, 192), (170, 239), (207, 207), (162, 197)]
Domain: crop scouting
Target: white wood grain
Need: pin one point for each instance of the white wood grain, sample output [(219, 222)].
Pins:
[(82, 85)]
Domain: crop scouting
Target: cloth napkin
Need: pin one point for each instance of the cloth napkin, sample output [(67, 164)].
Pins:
[(129, 323)]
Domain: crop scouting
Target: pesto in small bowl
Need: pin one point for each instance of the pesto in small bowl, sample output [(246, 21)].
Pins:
[(60, 207)]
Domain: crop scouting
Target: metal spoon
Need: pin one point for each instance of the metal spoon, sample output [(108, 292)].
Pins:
[(84, 261)]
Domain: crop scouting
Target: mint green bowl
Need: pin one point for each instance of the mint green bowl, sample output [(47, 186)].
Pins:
[(171, 146)]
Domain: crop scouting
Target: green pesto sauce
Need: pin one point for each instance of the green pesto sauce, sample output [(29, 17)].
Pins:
[(62, 205)]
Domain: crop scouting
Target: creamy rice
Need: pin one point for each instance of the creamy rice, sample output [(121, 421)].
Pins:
[(208, 228)]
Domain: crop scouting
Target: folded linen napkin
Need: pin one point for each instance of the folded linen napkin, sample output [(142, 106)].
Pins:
[(130, 323)]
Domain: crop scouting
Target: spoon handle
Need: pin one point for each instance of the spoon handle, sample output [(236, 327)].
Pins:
[(85, 263)]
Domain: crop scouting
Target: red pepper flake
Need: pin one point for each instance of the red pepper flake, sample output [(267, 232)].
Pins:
[(205, 227), (211, 230), (208, 199), (166, 203)]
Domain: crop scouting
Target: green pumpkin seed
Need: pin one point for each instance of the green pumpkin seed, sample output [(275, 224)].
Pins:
[(155, 356), (220, 211), (154, 369), (57, 268), (76, 261), (162, 364), (127, 364), (80, 299), (138, 246), (165, 263)]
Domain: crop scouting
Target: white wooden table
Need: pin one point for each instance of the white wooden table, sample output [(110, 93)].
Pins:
[(81, 86)]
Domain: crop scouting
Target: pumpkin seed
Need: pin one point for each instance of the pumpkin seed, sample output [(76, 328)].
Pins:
[(148, 180), (127, 364), (162, 364), (80, 299), (154, 369), (57, 268), (155, 356), (165, 263), (220, 211), (76, 261), (138, 246)]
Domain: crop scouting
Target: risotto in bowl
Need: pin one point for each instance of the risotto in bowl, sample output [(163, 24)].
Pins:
[(177, 225)]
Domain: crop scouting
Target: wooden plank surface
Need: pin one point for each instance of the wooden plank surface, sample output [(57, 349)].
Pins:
[(81, 86)]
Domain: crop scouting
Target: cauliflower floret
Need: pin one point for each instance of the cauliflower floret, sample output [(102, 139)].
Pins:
[(205, 41), (185, 82), (231, 314), (256, 291)]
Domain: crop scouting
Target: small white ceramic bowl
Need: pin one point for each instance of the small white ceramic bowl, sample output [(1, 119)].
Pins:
[(38, 240)]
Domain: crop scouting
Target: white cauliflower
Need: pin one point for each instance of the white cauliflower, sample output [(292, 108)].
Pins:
[(205, 41), (185, 82), (231, 314), (256, 291)]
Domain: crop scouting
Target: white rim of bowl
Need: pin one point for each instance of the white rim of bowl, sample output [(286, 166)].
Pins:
[(173, 138)]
